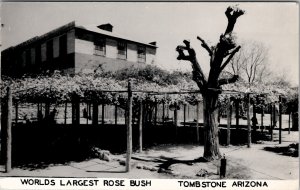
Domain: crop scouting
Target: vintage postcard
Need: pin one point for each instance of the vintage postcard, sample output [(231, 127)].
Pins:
[(149, 95)]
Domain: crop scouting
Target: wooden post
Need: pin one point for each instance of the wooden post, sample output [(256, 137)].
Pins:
[(237, 105), (89, 110), (289, 123), (280, 119), (145, 116), (103, 109), (271, 115), (38, 110), (272, 121), (129, 128), (197, 122), (155, 113), (248, 122), (95, 113), (168, 111), (223, 167), (262, 118), (47, 109), (116, 114), (228, 122), (176, 120), (141, 127), (87, 113), (8, 131), (66, 107), (77, 113), (75, 110), (184, 115), (163, 116), (17, 113), (254, 116)]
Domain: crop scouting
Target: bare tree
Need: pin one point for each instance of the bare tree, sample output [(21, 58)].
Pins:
[(250, 63), (220, 56)]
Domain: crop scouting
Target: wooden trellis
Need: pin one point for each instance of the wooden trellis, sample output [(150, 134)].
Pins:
[(129, 91)]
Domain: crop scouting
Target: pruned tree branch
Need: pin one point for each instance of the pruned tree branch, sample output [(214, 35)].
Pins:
[(198, 78), (205, 46), (233, 52), (233, 79), (232, 13), (198, 75)]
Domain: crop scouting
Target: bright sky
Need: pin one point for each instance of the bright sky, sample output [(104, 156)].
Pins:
[(274, 24)]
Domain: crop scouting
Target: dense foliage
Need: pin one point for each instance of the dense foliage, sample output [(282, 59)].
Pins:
[(292, 101), (94, 87), (111, 87)]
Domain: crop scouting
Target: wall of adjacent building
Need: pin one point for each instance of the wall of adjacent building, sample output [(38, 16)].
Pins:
[(56, 48), (86, 60), (150, 55), (24, 59), (86, 63)]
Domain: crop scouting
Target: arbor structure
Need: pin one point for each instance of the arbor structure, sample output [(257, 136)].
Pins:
[(220, 56)]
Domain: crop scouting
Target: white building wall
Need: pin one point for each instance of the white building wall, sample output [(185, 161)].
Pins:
[(83, 46), (87, 47), (71, 41)]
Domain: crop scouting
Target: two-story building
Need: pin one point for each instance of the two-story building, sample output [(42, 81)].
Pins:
[(73, 48)]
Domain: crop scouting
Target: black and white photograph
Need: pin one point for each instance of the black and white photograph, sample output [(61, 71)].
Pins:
[(150, 90)]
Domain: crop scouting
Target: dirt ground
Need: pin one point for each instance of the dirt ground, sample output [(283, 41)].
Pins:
[(182, 161)]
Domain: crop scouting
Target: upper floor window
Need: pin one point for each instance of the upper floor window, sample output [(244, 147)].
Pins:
[(63, 45), (122, 50), (49, 50), (100, 47), (141, 54), (38, 53), (28, 57)]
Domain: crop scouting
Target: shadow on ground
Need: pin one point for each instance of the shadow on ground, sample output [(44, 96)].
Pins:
[(166, 162), (290, 150)]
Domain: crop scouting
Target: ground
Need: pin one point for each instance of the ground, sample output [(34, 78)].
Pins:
[(182, 161)]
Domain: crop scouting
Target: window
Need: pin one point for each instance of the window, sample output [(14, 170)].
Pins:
[(28, 57), (122, 50), (100, 47), (63, 45), (38, 53), (141, 54), (49, 50), (43, 52), (23, 59), (32, 55)]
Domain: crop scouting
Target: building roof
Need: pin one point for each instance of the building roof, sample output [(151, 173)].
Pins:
[(94, 28), (71, 25)]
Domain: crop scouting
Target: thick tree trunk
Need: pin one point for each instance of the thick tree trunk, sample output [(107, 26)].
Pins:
[(211, 130)]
